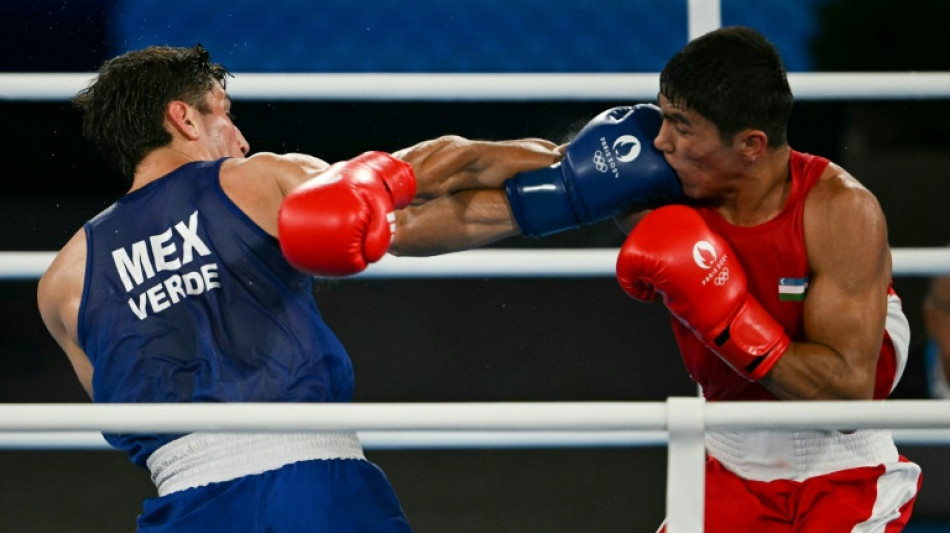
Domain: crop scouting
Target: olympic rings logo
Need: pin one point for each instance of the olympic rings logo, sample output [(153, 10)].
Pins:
[(722, 277), (600, 163)]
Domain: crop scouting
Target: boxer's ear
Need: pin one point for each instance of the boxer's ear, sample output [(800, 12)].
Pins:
[(752, 143), (179, 117)]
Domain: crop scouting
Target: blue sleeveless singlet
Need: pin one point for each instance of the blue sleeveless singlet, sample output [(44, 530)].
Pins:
[(188, 300)]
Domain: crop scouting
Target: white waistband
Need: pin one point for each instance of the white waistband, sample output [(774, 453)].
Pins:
[(769, 455), (201, 458)]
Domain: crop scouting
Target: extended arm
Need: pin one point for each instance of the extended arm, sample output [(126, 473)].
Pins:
[(461, 221), (460, 200), (451, 163), (846, 302), (610, 166)]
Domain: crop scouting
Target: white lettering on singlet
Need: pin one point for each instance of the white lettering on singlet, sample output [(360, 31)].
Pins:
[(146, 258)]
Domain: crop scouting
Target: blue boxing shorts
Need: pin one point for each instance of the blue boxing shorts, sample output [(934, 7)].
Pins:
[(273, 483)]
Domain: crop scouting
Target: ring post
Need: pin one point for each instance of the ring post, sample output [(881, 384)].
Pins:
[(686, 468)]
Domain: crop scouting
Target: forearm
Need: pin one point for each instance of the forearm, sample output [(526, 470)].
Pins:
[(460, 221), (451, 164), (812, 371)]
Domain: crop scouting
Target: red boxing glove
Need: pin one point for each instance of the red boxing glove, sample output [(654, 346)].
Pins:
[(339, 222), (672, 251)]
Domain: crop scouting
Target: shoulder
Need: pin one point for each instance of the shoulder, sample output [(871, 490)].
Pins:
[(271, 159), (64, 278), (840, 197), (843, 218), (258, 184), (268, 169), (266, 163)]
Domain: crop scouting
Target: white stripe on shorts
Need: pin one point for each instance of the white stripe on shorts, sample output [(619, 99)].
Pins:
[(895, 488)]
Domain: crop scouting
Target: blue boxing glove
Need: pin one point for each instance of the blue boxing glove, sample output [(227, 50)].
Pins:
[(609, 167)]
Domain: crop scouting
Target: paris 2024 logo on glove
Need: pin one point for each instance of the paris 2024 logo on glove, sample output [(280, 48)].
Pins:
[(624, 149), (704, 254)]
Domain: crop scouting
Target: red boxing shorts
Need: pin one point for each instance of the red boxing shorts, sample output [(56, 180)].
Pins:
[(873, 498)]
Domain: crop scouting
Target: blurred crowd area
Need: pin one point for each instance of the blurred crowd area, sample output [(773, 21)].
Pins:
[(390, 35)]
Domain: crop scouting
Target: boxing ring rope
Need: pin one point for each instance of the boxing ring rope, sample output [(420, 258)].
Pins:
[(47, 86), (512, 263)]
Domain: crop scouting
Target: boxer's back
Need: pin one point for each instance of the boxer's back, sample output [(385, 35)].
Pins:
[(191, 301)]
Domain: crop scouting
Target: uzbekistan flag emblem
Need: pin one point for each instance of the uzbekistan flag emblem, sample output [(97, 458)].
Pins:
[(792, 289)]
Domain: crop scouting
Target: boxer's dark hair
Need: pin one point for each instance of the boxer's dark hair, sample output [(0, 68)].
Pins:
[(124, 108), (735, 78)]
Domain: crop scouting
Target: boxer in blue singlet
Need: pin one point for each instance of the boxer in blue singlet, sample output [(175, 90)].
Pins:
[(195, 284), (179, 292)]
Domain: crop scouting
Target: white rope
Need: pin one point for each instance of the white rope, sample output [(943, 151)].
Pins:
[(24, 265), (180, 418), (495, 263), (623, 87), (473, 416), (443, 440), (394, 440), (463, 425)]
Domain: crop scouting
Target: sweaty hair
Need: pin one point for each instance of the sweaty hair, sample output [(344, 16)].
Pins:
[(124, 107), (733, 77)]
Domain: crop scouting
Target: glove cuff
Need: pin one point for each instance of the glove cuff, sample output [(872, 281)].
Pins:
[(539, 202), (753, 342)]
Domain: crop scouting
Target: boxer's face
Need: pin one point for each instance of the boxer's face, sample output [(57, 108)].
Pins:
[(222, 137), (692, 146)]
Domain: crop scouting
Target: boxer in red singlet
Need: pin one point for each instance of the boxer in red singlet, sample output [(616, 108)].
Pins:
[(778, 278)]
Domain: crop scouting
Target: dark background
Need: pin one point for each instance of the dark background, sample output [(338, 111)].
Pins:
[(452, 340)]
